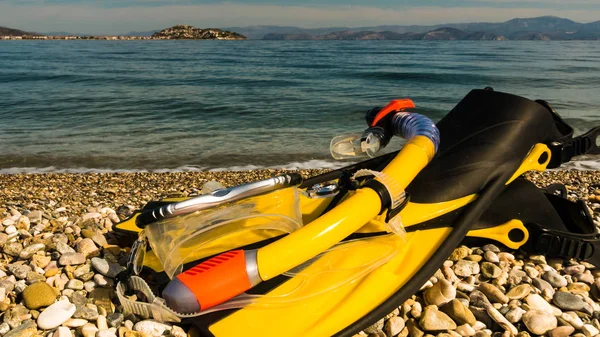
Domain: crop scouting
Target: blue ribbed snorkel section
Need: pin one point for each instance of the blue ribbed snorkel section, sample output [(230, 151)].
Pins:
[(408, 125)]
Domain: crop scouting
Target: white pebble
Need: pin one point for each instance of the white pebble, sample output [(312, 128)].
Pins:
[(55, 315), (62, 332), (101, 323), (10, 230)]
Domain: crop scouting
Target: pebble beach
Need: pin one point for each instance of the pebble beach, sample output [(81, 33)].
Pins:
[(59, 258)]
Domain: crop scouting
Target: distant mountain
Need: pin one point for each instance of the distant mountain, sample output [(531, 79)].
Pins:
[(540, 28), (4, 31)]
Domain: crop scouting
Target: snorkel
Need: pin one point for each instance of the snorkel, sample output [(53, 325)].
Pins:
[(230, 274)]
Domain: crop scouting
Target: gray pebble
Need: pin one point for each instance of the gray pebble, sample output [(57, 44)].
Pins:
[(63, 247), (568, 301), (19, 270), (86, 313), (105, 268), (115, 319), (543, 285), (555, 279), (13, 249)]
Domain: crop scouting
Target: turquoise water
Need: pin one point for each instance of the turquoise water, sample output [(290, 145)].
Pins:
[(186, 105)]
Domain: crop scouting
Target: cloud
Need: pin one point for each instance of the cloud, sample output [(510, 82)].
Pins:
[(90, 19)]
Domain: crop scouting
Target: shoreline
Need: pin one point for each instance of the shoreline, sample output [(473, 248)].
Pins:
[(136, 188)]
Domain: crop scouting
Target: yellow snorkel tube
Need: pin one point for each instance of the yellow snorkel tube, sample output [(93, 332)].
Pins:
[(230, 274)]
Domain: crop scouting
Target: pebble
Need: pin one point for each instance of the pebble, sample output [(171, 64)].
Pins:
[(491, 256), (561, 331), (514, 315), (38, 295), (590, 330), (26, 329), (491, 247), (584, 277), (157, 329), (573, 319), (459, 312), (106, 268), (28, 251), (68, 259), (493, 293), (394, 326), (19, 270), (501, 320), (531, 271), (539, 322), (74, 284), (115, 319), (465, 330), (87, 247), (63, 247), (105, 333), (62, 332), (574, 269), (459, 253), (518, 292), (4, 328), (89, 330), (490, 270), (466, 268), (101, 322), (543, 285), (568, 301), (75, 322), (434, 320), (86, 313), (555, 279), (55, 315), (440, 293), (416, 310)]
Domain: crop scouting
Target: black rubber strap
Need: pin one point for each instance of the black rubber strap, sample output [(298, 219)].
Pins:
[(562, 152)]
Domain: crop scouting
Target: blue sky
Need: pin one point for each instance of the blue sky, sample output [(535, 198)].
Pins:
[(121, 16)]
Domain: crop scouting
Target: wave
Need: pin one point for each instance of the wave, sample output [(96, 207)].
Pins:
[(585, 164), (306, 165)]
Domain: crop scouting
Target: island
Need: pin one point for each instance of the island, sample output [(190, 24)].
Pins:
[(178, 32)]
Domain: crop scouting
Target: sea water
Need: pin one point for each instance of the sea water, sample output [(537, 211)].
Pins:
[(77, 106)]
